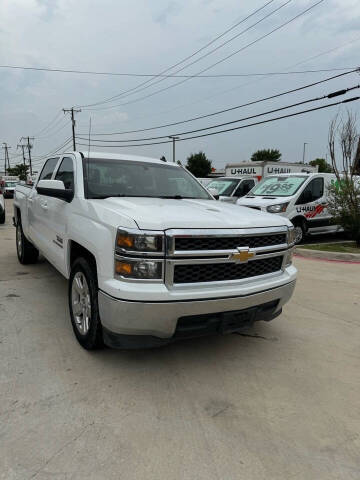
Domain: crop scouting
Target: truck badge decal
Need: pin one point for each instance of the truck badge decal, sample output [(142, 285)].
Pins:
[(310, 211), (243, 171), (243, 255)]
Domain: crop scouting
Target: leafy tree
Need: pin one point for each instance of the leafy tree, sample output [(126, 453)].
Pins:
[(344, 194), (324, 167), (198, 164), (266, 155), (19, 170)]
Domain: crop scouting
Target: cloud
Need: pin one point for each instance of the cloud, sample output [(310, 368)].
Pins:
[(171, 9)]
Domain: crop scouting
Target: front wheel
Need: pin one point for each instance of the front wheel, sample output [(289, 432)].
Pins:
[(83, 305), (299, 233)]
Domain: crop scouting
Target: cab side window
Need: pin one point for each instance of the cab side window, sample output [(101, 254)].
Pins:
[(48, 169), (244, 188), (312, 192), (65, 173)]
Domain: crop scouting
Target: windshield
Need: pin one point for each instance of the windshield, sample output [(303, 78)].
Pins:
[(223, 186), (123, 178), (10, 184), (278, 186)]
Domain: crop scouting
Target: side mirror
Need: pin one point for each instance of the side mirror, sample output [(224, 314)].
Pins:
[(54, 188), (214, 192)]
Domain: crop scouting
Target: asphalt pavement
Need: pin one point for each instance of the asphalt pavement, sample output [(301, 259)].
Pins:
[(279, 402)]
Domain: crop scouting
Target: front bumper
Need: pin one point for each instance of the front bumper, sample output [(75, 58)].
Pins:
[(160, 319)]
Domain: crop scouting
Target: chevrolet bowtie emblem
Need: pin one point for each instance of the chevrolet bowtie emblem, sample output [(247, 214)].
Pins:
[(243, 255)]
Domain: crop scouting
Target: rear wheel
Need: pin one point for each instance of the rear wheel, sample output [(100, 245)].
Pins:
[(26, 251), (83, 304), (2, 216)]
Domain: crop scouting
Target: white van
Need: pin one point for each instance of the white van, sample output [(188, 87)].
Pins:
[(302, 198), (230, 189)]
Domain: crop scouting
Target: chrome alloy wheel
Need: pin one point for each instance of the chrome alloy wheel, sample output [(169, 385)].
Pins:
[(19, 240), (298, 234), (81, 303)]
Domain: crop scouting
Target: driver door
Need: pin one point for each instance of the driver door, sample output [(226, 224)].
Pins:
[(312, 204)]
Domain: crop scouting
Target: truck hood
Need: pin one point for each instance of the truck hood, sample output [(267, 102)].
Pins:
[(259, 201), (163, 214)]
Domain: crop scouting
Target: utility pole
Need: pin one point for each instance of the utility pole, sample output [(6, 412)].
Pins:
[(22, 146), (7, 160), (305, 143), (72, 111), (29, 146), (174, 138)]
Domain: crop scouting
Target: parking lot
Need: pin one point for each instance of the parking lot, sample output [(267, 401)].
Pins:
[(278, 402)]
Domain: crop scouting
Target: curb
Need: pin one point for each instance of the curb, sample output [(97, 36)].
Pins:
[(331, 256)]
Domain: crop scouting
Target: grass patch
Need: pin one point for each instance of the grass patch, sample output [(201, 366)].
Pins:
[(348, 247)]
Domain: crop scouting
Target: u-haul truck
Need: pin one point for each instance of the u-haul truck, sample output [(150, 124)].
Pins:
[(240, 178)]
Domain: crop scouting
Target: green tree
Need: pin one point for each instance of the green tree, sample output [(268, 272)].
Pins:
[(266, 155), (344, 193), (19, 170), (324, 167), (198, 164)]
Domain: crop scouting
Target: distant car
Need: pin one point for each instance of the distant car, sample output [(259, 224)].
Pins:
[(9, 188)]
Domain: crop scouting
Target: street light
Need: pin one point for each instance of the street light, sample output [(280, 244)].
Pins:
[(305, 143), (174, 138)]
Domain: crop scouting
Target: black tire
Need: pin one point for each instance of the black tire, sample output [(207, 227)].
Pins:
[(86, 323), (300, 231), (26, 251), (2, 216)]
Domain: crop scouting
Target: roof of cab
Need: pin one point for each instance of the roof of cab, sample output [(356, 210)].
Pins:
[(120, 156)]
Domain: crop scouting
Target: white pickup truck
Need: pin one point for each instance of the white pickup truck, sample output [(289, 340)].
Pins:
[(151, 257)]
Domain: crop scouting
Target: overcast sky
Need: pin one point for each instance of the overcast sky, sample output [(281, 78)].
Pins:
[(147, 37)]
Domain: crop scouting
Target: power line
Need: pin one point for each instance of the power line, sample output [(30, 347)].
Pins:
[(186, 58), (178, 134), (229, 109), (235, 128), (210, 97), (217, 63), (138, 89), (154, 75), (48, 124), (40, 158)]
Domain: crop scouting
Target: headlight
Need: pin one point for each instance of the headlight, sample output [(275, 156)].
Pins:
[(139, 242), (138, 269), (279, 208), (291, 236)]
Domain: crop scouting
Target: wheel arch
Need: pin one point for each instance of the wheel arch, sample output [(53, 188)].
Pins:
[(76, 250)]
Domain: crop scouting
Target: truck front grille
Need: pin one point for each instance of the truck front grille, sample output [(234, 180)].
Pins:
[(228, 243), (218, 272)]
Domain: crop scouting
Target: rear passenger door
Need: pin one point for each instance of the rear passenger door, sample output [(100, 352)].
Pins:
[(38, 209)]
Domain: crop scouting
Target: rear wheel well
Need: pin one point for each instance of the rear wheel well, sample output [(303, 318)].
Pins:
[(77, 251)]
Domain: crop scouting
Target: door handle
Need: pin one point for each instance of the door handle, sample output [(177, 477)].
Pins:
[(44, 205), (30, 200)]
